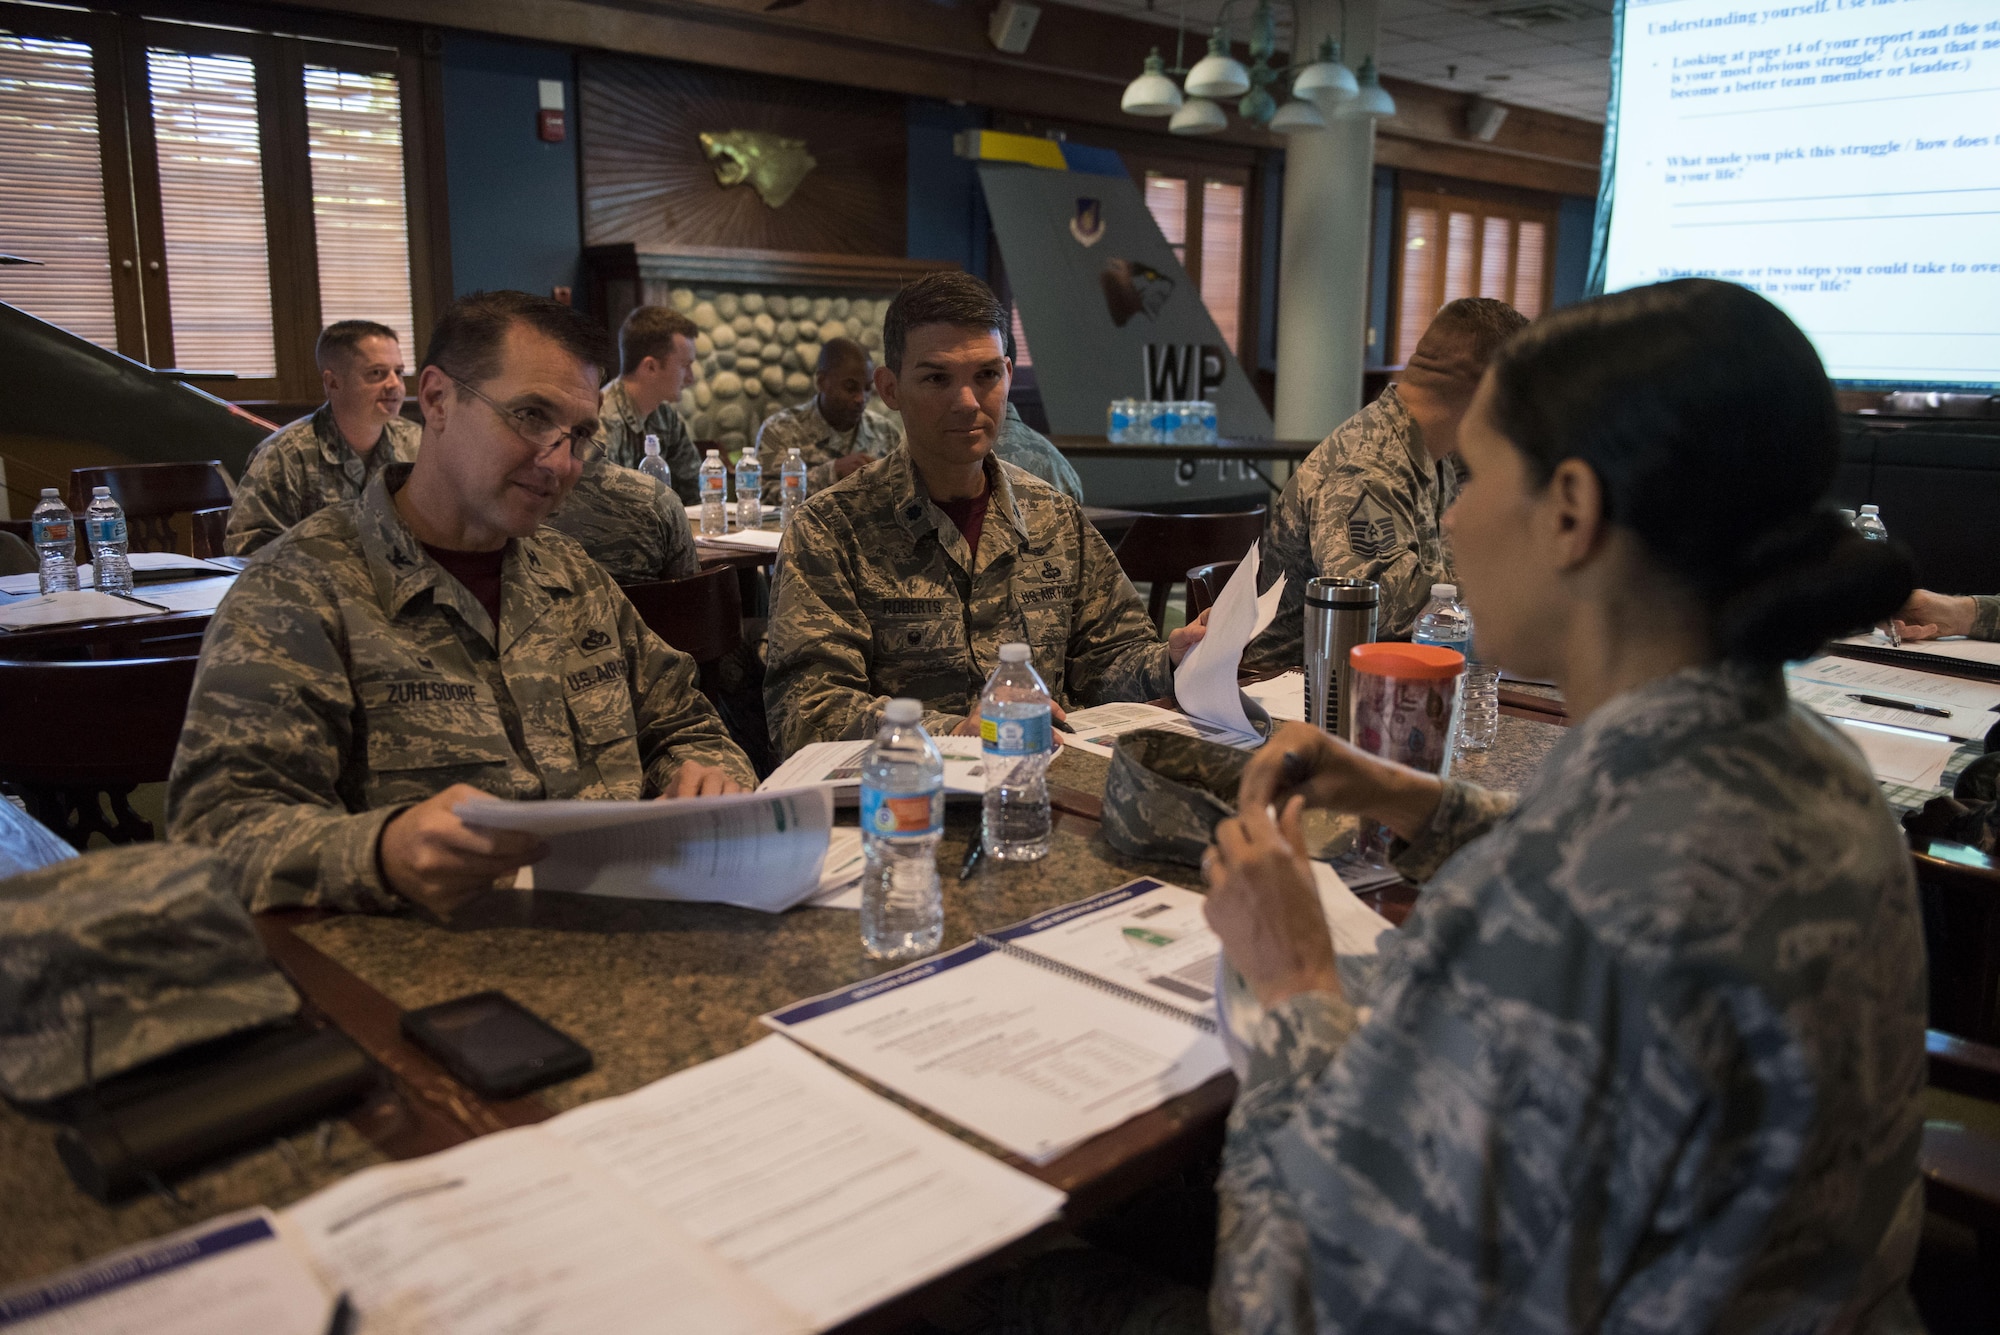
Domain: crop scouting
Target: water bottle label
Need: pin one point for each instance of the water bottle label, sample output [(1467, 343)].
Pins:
[(53, 530), (103, 531), (1016, 736), (902, 815)]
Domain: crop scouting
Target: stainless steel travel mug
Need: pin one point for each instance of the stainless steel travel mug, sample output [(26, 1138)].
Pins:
[(1340, 613)]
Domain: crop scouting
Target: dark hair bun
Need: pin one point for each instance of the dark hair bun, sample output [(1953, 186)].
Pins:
[(1806, 583)]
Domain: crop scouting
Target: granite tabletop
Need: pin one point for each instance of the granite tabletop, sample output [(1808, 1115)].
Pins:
[(649, 988)]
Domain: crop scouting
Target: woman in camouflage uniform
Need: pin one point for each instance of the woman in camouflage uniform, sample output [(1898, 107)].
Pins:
[(1647, 1055)]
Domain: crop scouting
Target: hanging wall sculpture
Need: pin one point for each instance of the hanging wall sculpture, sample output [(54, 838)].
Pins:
[(772, 164)]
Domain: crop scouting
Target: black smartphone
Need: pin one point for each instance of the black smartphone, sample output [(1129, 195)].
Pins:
[(496, 1045)]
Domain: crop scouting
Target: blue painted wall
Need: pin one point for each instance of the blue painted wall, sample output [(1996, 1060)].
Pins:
[(513, 198), (946, 209), (1574, 221)]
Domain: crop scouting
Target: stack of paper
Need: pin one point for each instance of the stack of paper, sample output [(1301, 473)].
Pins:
[(761, 850), (1283, 696), (1205, 682), (837, 765), (1901, 755), (1096, 728), (70, 607), (1042, 1035), (1986, 652), (840, 874), (147, 568), (1851, 688)]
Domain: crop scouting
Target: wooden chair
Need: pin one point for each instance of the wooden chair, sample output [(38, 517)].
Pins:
[(152, 494), (206, 528), (1960, 1153), (76, 734), (1205, 585), (1158, 549), (702, 616)]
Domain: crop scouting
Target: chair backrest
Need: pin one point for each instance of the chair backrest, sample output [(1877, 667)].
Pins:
[(1158, 549), (701, 615), (115, 721), (206, 529), (1205, 585), (152, 494)]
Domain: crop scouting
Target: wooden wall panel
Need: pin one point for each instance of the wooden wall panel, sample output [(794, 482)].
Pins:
[(647, 181)]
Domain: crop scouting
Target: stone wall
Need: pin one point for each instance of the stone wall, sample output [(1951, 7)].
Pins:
[(757, 348)]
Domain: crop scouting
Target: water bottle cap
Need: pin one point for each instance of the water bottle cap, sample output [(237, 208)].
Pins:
[(715, 454), (904, 710), (1444, 590), (50, 493), (100, 491), (1871, 510), (1013, 653), (652, 443)]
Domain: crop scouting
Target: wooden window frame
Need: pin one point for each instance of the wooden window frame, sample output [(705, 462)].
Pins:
[(1448, 195), (119, 34), (1197, 172)]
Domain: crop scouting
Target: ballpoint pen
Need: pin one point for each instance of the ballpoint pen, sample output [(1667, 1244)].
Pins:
[(1884, 702), (972, 856)]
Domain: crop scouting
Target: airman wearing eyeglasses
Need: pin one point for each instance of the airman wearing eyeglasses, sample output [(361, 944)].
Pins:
[(392, 656)]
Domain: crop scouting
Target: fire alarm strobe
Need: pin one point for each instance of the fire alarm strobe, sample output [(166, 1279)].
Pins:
[(549, 127)]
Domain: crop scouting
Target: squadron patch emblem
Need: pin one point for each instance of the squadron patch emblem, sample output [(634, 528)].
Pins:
[(1371, 529)]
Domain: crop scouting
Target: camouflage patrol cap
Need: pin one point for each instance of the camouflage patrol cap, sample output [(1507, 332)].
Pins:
[(150, 941), (1166, 792)]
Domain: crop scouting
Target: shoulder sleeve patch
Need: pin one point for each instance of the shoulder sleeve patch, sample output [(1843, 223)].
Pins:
[(1371, 529)]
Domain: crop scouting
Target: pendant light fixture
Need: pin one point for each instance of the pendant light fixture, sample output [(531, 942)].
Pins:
[(1152, 93), (1320, 87)]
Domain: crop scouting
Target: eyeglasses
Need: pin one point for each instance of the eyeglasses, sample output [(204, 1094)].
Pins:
[(534, 426)]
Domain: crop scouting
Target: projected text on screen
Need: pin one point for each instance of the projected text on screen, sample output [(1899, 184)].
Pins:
[(1840, 156)]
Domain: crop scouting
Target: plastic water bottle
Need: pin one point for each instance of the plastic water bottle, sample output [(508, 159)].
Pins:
[(1016, 735), (791, 487), (654, 464), (104, 523), (55, 542), (1870, 525), (902, 818), (749, 490), (714, 491), (1445, 622)]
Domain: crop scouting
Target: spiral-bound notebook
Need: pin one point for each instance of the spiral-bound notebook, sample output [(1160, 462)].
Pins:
[(1044, 1034)]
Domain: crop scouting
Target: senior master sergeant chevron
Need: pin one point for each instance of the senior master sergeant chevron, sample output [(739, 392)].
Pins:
[(905, 578), (392, 656)]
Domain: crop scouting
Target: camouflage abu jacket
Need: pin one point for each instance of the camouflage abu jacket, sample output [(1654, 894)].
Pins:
[(623, 433), (802, 428), (1986, 617), (1024, 447), (1646, 1057), (629, 523), (303, 468), (877, 596), (347, 676), (1366, 504)]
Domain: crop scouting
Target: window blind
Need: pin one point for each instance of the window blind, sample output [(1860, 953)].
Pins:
[(1167, 201), (1418, 299), (1530, 264), (354, 139), (212, 207), (1496, 236), (1222, 255), (52, 187), (1460, 255)]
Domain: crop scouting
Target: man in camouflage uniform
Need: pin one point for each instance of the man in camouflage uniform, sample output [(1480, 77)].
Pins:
[(1367, 503), (906, 578), (1648, 1055), (1024, 447), (656, 359), (1927, 616), (328, 456), (629, 522), (393, 656), (832, 431)]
